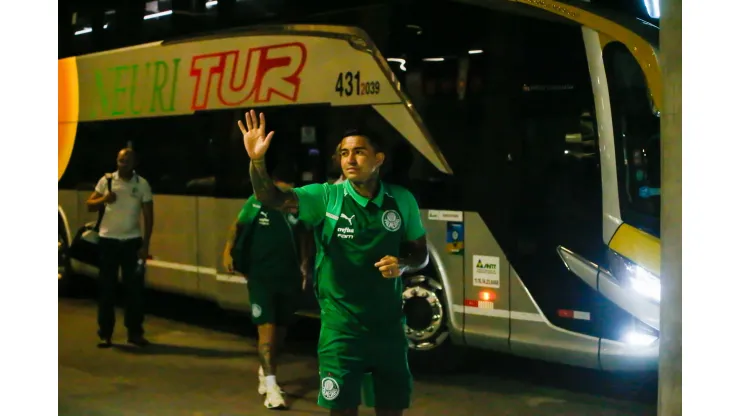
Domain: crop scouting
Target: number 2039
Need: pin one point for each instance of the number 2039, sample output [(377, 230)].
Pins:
[(349, 84)]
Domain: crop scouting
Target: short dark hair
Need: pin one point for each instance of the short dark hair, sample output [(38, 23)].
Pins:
[(285, 172), (374, 140)]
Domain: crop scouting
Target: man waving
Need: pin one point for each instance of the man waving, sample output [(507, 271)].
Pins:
[(362, 225)]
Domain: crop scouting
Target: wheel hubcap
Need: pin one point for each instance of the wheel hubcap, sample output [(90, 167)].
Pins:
[(424, 317), (62, 256)]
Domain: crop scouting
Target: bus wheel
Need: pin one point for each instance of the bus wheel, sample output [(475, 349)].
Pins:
[(426, 325), (64, 275)]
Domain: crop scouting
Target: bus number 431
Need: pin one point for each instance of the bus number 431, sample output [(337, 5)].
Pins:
[(349, 83)]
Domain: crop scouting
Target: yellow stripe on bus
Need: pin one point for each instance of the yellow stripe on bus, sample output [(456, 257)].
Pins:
[(638, 246)]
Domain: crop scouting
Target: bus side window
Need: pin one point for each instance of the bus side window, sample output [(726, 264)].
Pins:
[(287, 147), (94, 154), (172, 152), (232, 161)]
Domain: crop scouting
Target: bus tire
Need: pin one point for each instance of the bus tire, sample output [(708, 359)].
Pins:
[(427, 326), (65, 277)]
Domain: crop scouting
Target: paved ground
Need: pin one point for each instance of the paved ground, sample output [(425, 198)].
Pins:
[(202, 366)]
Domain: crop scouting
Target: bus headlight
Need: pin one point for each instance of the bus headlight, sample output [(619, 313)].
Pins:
[(639, 335), (635, 277), (639, 338), (645, 283)]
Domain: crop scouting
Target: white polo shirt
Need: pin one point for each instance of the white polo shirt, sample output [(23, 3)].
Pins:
[(121, 218)]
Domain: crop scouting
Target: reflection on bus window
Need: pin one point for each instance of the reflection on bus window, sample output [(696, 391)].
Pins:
[(175, 154), (637, 139)]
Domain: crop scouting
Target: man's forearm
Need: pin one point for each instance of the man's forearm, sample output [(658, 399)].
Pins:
[(94, 204), (417, 259), (306, 247), (148, 226), (265, 190), (231, 238)]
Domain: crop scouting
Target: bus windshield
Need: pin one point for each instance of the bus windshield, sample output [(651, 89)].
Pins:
[(489, 89), (499, 102)]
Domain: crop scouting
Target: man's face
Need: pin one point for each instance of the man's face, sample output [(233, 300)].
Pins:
[(125, 162), (358, 159)]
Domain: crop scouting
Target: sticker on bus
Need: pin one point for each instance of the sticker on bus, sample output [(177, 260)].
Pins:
[(439, 215), (473, 303), (455, 238), (486, 271)]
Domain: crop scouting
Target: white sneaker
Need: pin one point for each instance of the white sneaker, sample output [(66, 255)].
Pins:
[(274, 398), (262, 386)]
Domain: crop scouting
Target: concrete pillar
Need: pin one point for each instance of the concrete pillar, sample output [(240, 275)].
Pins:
[(669, 377)]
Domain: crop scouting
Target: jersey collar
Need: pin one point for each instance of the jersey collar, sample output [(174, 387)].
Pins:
[(378, 200)]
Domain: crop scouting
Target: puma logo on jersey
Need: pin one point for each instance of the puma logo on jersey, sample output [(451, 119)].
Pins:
[(346, 233), (349, 219), (264, 220)]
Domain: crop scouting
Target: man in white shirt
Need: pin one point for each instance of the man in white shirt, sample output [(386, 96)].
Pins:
[(122, 245)]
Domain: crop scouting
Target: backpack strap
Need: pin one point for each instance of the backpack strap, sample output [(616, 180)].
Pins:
[(239, 254), (101, 210), (251, 208), (335, 196), (333, 211)]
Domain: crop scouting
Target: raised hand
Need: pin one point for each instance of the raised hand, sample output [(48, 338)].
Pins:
[(255, 141)]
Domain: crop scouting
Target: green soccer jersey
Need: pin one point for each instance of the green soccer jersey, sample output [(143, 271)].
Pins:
[(273, 255), (352, 293)]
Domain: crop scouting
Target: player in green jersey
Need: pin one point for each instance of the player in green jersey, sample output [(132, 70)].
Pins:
[(368, 233), (263, 246)]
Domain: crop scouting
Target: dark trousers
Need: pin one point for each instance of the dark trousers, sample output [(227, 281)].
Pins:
[(124, 254)]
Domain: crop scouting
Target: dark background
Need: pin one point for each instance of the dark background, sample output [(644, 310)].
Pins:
[(125, 26)]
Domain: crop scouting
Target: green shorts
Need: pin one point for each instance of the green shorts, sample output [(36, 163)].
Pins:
[(273, 304), (344, 359)]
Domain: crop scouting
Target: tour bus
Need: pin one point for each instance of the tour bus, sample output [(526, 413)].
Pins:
[(528, 130)]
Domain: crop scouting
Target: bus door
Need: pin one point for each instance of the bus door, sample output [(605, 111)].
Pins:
[(456, 80)]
